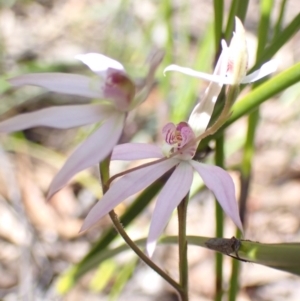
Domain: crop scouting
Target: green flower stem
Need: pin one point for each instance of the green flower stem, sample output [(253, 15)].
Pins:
[(264, 25), (278, 24), (218, 12), (249, 149), (182, 242), (219, 160), (281, 39), (141, 254), (246, 165), (119, 228), (230, 21), (234, 279), (167, 13), (242, 9)]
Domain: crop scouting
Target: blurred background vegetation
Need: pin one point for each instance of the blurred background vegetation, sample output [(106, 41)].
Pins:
[(39, 242)]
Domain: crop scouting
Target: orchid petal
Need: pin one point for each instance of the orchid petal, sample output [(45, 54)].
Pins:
[(93, 150), (72, 84), (221, 184), (201, 115), (266, 69), (136, 151), (100, 63), (238, 60), (62, 117), (198, 74), (128, 185), (169, 198)]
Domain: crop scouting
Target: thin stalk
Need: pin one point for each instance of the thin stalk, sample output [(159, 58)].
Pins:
[(230, 21), (104, 170), (246, 167), (218, 13), (234, 276), (281, 39), (249, 149), (278, 25), (219, 160), (182, 242), (242, 9), (264, 26), (141, 254), (167, 12)]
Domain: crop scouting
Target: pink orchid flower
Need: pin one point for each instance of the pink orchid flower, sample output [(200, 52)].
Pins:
[(237, 63), (112, 84), (177, 186)]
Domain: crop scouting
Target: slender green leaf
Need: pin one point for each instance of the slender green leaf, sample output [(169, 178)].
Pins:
[(280, 40), (219, 160), (266, 7), (242, 9), (278, 25), (122, 278), (230, 21), (218, 13), (281, 256), (103, 275)]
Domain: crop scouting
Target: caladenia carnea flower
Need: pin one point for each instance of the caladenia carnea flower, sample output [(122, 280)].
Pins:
[(230, 70), (116, 94), (237, 63), (178, 154)]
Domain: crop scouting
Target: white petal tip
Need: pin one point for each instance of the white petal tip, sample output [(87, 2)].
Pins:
[(150, 248), (270, 66), (224, 44), (171, 68), (197, 74), (98, 62), (265, 70)]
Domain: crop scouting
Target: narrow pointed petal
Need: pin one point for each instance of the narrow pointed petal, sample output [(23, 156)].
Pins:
[(136, 151), (93, 150), (169, 198), (128, 185), (72, 84), (100, 63), (266, 69), (198, 74), (201, 115), (221, 184), (62, 117), (238, 60)]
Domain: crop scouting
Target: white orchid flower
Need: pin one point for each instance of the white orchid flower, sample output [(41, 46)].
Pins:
[(177, 186), (112, 85), (237, 63)]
